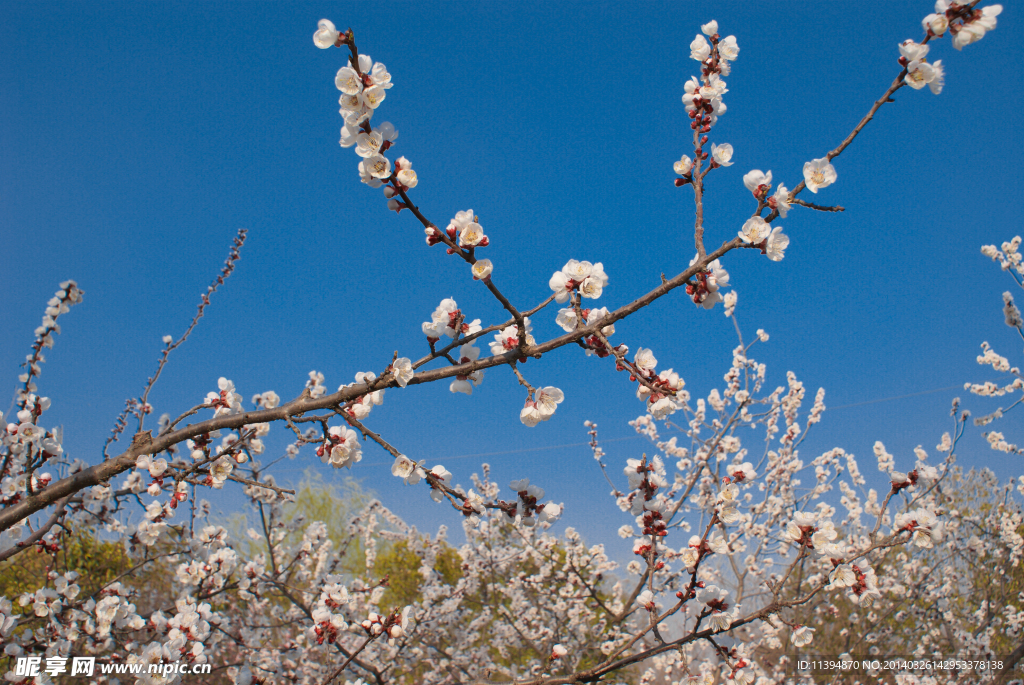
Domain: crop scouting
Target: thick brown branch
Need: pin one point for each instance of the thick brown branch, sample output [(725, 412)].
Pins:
[(146, 444)]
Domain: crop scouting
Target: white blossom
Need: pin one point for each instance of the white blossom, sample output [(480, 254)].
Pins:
[(325, 35), (721, 154), (756, 178), (755, 229), (819, 174), (699, 49), (777, 243)]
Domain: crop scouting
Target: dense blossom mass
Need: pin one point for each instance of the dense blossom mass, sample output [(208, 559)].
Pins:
[(749, 551)]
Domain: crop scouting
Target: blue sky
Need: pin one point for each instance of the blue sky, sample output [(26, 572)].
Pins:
[(136, 138)]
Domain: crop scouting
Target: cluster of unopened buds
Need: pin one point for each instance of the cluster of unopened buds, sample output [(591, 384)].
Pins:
[(394, 625), (596, 346), (61, 302), (326, 630), (48, 545), (654, 524), (180, 494)]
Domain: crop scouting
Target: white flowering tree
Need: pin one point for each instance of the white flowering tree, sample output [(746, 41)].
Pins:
[(737, 565)]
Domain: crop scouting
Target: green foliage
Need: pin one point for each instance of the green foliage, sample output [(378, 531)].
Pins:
[(402, 566), (97, 561)]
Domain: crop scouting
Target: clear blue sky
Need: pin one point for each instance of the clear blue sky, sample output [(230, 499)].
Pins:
[(136, 138)]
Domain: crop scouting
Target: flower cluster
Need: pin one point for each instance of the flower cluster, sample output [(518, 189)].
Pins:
[(705, 288), (759, 183), (727, 504), (404, 179), (507, 339), (644, 477), (448, 320), (861, 583), (926, 528), (527, 510), (341, 447), (720, 617), (584, 278), (757, 232), (703, 97), (919, 72), (465, 231), (663, 392), (226, 401), (364, 84), (360, 407), (1009, 257), (968, 25), (439, 476), (568, 321)]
